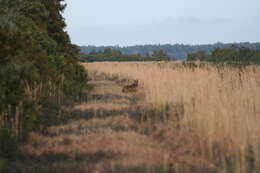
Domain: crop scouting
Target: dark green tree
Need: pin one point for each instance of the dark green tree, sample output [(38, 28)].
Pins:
[(38, 66), (161, 54)]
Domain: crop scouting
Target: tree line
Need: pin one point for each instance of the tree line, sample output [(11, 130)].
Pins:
[(232, 54), (110, 54), (178, 51), (38, 69)]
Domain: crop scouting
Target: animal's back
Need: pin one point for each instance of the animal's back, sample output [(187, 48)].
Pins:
[(130, 88)]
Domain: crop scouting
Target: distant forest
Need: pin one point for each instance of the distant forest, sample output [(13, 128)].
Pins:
[(115, 55), (233, 54), (176, 51)]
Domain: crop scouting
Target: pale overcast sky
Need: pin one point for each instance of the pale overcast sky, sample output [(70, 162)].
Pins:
[(131, 22)]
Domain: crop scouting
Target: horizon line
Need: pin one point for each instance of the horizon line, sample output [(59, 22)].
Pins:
[(172, 44)]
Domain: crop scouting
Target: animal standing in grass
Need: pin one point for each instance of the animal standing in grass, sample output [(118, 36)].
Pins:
[(130, 88)]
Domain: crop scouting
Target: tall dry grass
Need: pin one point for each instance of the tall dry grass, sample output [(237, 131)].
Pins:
[(221, 105)]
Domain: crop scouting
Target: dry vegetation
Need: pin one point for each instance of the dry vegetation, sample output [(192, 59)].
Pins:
[(218, 104), (183, 118)]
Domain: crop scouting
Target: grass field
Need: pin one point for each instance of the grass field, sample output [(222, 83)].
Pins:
[(220, 105), (183, 118)]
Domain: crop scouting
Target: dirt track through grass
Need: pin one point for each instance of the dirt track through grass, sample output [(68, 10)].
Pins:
[(109, 141), (104, 133)]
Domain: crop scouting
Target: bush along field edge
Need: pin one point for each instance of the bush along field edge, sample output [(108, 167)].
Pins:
[(38, 70)]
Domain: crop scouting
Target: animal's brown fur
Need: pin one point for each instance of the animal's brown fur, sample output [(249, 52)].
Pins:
[(130, 88)]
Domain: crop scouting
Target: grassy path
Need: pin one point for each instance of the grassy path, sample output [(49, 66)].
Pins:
[(102, 134), (103, 137)]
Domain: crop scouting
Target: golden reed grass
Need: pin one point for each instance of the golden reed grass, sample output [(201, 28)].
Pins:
[(221, 105)]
